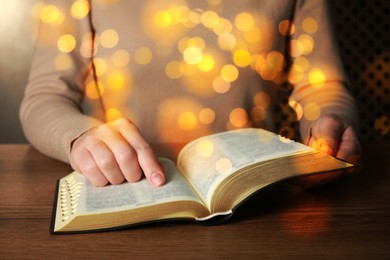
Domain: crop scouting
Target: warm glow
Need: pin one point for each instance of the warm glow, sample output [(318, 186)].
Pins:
[(204, 148), (268, 73), (286, 27), (316, 77), (207, 63), (143, 55), (206, 116), (296, 48), (113, 114), (220, 85), (192, 55), (80, 9), (253, 36), (163, 19), (227, 42), (66, 43), (310, 25), (311, 111), (51, 15), (223, 165), (229, 73), (296, 74), (100, 66), (307, 43), (242, 58), (174, 69), (224, 26), (109, 38), (302, 63), (209, 19), (121, 58), (238, 117), (275, 60), (244, 22), (115, 81), (262, 99), (93, 91), (187, 121), (63, 62)]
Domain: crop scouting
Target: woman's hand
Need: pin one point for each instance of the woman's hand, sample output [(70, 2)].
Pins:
[(330, 134), (115, 152)]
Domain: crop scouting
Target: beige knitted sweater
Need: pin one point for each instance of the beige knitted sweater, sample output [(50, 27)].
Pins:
[(179, 69)]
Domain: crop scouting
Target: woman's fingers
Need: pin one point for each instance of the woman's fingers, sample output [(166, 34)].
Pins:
[(114, 152)]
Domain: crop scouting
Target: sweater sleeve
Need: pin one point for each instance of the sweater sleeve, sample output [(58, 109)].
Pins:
[(317, 73), (50, 112)]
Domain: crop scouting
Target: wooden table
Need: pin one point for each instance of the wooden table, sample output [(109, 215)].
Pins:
[(349, 218)]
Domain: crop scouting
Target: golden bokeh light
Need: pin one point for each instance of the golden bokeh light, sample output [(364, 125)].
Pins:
[(262, 99), (296, 74), (66, 43), (121, 58), (109, 38), (115, 81), (207, 116), (80, 9), (316, 77), (238, 117), (224, 26), (223, 165), (242, 58), (50, 14), (286, 27), (192, 55), (100, 66), (307, 43), (63, 62), (310, 25), (143, 56), (207, 63), (227, 41), (174, 69), (163, 19), (209, 19), (229, 73), (311, 111), (204, 148), (244, 21), (93, 90), (187, 121), (253, 36), (296, 48), (220, 85), (275, 61), (113, 114)]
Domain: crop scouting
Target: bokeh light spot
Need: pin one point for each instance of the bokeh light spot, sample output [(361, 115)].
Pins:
[(244, 21), (66, 43), (204, 148)]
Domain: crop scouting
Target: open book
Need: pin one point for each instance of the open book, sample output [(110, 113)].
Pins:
[(213, 176)]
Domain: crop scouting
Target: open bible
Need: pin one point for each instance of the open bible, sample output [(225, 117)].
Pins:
[(213, 176)]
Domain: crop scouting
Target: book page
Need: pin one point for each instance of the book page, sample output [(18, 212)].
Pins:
[(133, 195), (205, 162)]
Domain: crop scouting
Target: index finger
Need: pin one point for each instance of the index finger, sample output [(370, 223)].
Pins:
[(145, 155)]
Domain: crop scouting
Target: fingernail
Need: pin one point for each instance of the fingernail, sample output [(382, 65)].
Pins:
[(157, 179)]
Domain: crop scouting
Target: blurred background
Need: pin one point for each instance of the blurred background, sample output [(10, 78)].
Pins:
[(362, 28)]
